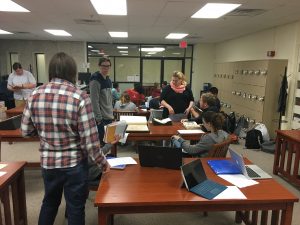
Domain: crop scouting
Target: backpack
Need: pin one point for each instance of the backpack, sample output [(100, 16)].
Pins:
[(268, 146), (229, 122), (240, 127), (264, 131), (253, 139)]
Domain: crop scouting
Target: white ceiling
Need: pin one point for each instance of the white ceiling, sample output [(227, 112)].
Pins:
[(148, 21)]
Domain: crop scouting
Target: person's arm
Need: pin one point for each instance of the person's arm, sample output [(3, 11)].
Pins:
[(32, 82), (187, 111), (203, 146), (9, 84), (166, 105), (95, 96), (27, 127)]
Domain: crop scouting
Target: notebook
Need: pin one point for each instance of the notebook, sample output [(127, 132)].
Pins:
[(196, 181), (236, 165), (11, 123), (159, 156)]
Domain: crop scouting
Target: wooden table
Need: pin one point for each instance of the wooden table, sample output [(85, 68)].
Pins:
[(16, 136), (156, 190), (12, 187), (287, 155), (15, 111), (159, 133)]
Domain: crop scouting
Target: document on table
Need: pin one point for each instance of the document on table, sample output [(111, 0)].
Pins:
[(124, 139), (2, 173), (238, 180), (2, 165), (232, 192), (190, 131), (121, 161)]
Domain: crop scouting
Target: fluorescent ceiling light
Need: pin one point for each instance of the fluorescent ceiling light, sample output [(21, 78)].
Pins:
[(4, 32), (214, 10), (10, 6), (95, 50), (176, 53), (89, 46), (122, 47), (58, 32), (118, 34), (111, 7), (151, 53), (154, 49), (123, 51), (124, 54), (176, 36)]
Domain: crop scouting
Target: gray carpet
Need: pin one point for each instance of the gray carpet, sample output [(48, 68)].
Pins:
[(34, 192)]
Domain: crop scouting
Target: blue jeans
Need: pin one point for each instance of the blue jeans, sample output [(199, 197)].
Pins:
[(73, 182), (101, 131)]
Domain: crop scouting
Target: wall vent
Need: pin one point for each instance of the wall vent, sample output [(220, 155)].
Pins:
[(88, 21), (246, 12)]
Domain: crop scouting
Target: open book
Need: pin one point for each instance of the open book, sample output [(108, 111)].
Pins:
[(166, 121), (190, 125), (135, 123), (113, 129)]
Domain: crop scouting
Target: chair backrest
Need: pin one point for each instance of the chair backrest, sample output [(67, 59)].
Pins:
[(220, 150), (118, 113)]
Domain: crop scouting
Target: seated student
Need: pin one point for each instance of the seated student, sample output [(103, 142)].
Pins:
[(215, 91), (124, 104), (212, 122), (136, 94), (156, 91), (115, 91), (207, 103)]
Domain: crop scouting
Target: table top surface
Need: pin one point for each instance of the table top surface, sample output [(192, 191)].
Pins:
[(138, 186), (292, 134), (11, 169)]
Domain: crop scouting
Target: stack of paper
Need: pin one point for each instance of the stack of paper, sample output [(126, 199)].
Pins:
[(135, 123), (189, 125), (113, 129)]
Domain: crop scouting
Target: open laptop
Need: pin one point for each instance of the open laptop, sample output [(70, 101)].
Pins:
[(252, 171), (159, 156), (196, 181), (11, 123)]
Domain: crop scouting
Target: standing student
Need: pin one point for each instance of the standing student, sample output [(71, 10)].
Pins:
[(101, 96), (176, 97), (21, 82), (61, 115)]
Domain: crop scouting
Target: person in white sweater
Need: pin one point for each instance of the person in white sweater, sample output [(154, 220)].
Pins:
[(213, 123)]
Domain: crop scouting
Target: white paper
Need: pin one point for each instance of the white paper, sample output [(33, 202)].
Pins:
[(190, 131), (134, 119), (2, 165), (163, 121), (238, 180), (124, 139), (121, 161), (231, 192), (2, 173)]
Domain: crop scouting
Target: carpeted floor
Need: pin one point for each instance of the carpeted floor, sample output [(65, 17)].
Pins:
[(34, 192)]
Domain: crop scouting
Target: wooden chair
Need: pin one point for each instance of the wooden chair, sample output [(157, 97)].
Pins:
[(220, 150), (118, 113)]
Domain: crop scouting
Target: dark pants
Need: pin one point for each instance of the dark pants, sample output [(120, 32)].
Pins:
[(73, 182), (101, 130)]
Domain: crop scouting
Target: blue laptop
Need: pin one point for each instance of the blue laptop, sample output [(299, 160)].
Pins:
[(196, 181)]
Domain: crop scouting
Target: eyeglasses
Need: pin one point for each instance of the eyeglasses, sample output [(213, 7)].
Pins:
[(105, 66)]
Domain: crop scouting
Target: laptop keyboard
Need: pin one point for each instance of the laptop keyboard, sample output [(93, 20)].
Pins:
[(251, 173), (208, 189)]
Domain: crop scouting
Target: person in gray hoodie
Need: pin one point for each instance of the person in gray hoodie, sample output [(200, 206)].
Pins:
[(212, 122), (101, 96)]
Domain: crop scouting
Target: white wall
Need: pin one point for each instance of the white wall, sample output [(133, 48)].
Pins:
[(27, 50), (284, 40)]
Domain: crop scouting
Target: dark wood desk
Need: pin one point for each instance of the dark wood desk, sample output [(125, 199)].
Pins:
[(12, 186), (156, 190), (158, 133), (16, 136), (287, 155), (15, 111)]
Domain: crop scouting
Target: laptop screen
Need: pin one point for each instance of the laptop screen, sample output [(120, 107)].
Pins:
[(193, 173), (159, 156), (11, 123), (238, 160)]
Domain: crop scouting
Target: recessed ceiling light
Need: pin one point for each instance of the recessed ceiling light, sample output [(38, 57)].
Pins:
[(124, 54), (214, 10), (154, 49), (95, 50), (111, 7), (118, 34), (123, 51), (89, 46), (151, 53), (122, 47), (10, 6), (58, 32), (176, 36), (4, 32)]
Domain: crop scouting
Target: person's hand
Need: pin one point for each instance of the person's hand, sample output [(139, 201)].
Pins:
[(117, 139), (171, 111), (175, 137), (184, 120), (187, 111), (106, 167)]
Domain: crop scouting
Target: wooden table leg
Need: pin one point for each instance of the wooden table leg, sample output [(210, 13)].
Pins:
[(104, 218)]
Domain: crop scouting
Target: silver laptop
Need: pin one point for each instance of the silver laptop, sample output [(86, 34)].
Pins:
[(251, 171)]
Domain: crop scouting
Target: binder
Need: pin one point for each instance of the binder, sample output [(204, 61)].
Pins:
[(223, 166)]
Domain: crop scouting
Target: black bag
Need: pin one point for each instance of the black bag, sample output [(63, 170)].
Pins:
[(229, 122), (241, 124), (268, 146), (253, 139)]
